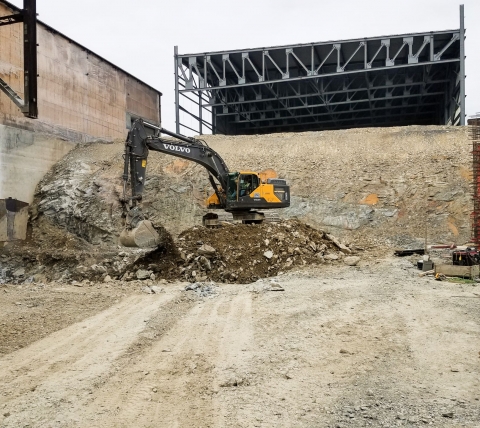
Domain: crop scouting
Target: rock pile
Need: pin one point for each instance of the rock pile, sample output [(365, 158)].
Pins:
[(241, 253), (233, 253), (203, 289)]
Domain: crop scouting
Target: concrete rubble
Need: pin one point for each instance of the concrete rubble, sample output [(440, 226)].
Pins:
[(203, 289)]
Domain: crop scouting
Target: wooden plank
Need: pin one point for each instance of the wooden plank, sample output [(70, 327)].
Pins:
[(409, 252), (454, 270)]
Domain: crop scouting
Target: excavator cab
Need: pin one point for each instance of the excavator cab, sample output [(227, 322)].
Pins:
[(247, 190), (241, 185)]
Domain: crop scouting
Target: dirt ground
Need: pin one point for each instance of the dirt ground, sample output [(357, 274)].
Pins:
[(341, 346)]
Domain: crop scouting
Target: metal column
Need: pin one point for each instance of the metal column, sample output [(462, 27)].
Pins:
[(200, 115), (177, 97), (30, 57), (462, 66)]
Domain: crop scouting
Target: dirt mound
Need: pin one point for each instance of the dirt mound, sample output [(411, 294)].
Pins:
[(233, 253), (239, 253)]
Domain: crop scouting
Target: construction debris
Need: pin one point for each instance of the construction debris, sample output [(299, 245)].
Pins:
[(236, 253), (203, 289), (244, 253)]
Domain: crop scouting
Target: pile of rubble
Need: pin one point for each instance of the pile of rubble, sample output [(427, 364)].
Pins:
[(233, 253), (238, 253)]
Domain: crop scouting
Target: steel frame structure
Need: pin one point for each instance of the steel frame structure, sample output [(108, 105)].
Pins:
[(380, 81), (27, 16)]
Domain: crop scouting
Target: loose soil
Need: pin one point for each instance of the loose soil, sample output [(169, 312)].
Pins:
[(373, 345), (241, 252)]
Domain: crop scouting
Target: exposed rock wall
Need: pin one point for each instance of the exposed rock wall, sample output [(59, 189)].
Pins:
[(385, 185), (394, 184)]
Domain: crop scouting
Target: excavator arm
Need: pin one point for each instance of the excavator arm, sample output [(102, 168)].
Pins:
[(137, 148), (138, 231)]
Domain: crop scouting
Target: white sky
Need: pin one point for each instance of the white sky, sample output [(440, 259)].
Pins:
[(139, 36)]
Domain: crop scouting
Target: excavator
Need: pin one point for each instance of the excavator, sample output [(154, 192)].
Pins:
[(239, 193)]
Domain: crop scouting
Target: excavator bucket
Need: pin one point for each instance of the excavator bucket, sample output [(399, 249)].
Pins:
[(142, 236)]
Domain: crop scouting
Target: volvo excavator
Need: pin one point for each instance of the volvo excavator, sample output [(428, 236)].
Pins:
[(240, 193)]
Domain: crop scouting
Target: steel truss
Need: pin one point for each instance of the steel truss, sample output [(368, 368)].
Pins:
[(391, 80), (27, 16)]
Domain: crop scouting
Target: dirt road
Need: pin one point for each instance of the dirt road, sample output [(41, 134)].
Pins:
[(341, 346)]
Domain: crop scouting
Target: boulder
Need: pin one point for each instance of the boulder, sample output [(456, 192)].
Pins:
[(351, 261), (205, 263), (343, 248), (143, 274), (206, 250), (19, 272)]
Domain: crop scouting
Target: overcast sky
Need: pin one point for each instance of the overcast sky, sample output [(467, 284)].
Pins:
[(139, 36)]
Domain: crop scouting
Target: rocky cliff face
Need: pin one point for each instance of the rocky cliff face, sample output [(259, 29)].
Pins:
[(392, 184)]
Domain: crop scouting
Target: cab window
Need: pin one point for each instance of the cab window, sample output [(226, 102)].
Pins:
[(247, 184), (232, 191)]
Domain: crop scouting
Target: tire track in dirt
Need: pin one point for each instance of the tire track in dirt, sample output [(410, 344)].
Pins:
[(52, 374), (179, 388), (312, 341)]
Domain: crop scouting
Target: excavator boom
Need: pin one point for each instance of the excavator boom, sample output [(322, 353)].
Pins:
[(139, 143)]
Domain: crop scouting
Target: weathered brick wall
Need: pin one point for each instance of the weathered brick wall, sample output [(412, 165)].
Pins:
[(80, 95)]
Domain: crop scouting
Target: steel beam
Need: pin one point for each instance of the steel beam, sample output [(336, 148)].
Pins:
[(304, 78), (28, 16), (314, 94), (11, 19), (177, 89), (30, 57), (347, 123), (339, 112), (326, 104), (462, 65)]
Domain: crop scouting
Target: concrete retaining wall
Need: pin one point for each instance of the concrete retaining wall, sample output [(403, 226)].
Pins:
[(25, 157)]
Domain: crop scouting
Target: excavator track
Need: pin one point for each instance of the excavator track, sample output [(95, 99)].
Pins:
[(215, 220)]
